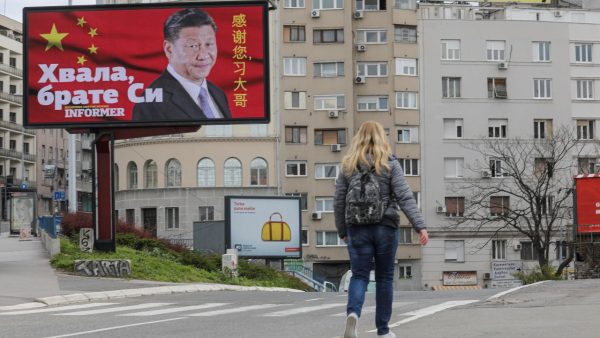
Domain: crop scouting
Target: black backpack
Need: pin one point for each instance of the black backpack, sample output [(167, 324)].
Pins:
[(363, 198)]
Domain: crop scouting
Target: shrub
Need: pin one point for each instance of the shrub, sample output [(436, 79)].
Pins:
[(206, 262), (538, 274), (72, 222)]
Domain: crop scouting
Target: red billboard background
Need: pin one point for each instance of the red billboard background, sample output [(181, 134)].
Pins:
[(588, 203), (102, 38)]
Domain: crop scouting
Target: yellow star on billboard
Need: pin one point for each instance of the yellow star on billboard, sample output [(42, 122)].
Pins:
[(81, 60), (93, 49), (93, 32), (54, 38), (81, 21)]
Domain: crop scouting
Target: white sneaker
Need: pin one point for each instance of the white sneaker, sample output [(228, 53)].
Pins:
[(387, 335), (351, 321)]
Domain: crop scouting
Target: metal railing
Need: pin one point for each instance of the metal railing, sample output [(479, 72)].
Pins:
[(12, 70), (17, 155), (11, 97), (187, 242)]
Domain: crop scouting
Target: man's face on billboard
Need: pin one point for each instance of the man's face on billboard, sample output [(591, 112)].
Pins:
[(193, 53)]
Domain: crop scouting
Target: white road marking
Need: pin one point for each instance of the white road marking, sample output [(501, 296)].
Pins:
[(116, 328), (113, 309), (56, 309), (313, 299), (175, 309), (371, 309), (500, 294), (23, 306), (235, 310), (303, 310)]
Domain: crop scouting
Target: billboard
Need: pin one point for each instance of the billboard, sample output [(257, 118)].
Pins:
[(263, 226), (22, 213), (146, 65), (587, 205)]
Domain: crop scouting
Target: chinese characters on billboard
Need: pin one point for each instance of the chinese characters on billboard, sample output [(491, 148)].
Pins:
[(160, 64)]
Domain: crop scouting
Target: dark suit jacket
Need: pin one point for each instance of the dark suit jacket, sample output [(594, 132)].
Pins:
[(177, 104)]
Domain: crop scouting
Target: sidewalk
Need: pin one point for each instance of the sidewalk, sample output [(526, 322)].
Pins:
[(27, 280)]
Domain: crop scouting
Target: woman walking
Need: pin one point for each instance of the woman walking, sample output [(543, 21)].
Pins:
[(369, 189)]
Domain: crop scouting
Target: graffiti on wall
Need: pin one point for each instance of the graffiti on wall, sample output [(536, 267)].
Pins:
[(103, 268)]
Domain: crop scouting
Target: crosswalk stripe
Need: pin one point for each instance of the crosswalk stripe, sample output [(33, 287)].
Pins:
[(175, 309), (56, 309), (113, 309), (371, 309), (234, 310), (303, 310)]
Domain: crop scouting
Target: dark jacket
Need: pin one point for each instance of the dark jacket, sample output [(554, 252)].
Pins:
[(177, 104), (389, 181)]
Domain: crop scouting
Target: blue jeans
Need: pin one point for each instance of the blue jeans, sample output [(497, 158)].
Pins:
[(368, 243)]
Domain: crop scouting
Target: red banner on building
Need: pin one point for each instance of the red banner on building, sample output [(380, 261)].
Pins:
[(587, 189), (142, 65)]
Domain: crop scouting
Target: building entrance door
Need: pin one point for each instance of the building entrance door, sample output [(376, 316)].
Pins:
[(149, 220)]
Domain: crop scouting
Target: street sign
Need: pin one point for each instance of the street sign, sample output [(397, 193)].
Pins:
[(59, 195), (24, 185)]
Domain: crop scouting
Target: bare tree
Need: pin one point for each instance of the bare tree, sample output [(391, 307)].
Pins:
[(521, 186)]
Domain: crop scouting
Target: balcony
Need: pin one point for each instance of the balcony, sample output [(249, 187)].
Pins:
[(18, 99), (11, 70), (17, 155)]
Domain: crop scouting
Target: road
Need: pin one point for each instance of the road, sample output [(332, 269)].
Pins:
[(550, 309)]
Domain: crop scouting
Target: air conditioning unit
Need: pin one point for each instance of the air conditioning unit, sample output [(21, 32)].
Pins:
[(333, 113), (336, 148), (517, 247), (486, 174), (487, 275), (359, 79), (316, 215), (361, 48), (315, 13), (440, 210), (359, 15), (502, 65), (557, 14)]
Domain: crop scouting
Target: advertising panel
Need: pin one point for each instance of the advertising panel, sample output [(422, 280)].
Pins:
[(587, 189), (459, 277), (146, 65), (22, 213), (263, 227)]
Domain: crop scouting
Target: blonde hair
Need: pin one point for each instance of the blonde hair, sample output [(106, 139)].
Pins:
[(369, 147)]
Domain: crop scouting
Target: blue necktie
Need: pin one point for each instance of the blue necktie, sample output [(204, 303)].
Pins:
[(204, 104)]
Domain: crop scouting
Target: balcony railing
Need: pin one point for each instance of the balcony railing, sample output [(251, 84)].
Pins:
[(12, 125), (11, 70), (11, 97), (17, 155)]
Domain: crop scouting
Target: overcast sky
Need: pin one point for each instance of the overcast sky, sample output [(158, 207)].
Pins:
[(14, 8)]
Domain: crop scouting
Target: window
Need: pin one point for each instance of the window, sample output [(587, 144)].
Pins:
[(495, 50), (324, 204), (172, 218), (328, 69), (450, 49), (206, 213), (329, 102), (528, 253), (542, 129), (304, 237), (206, 173), (583, 52), (497, 128), (406, 67), (405, 4), (405, 34), (585, 89), (303, 199), (496, 167), (497, 88), (295, 135), (407, 135), (132, 176), (292, 33), (150, 174), (406, 100), (455, 206), (450, 87), (542, 88), (406, 235), (546, 204), (372, 69), (329, 238), (293, 66), (404, 271), (370, 5), (370, 103), (294, 100), (588, 165), (12, 62), (541, 51), (328, 35), (543, 166), (417, 197), (409, 166), (43, 150), (371, 36), (26, 147), (330, 136), (454, 251), (295, 168), (499, 205), (328, 4), (499, 249), (258, 172), (294, 3), (173, 173), (130, 216), (453, 128), (12, 116), (232, 175), (562, 250), (453, 167), (326, 170), (585, 129)]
